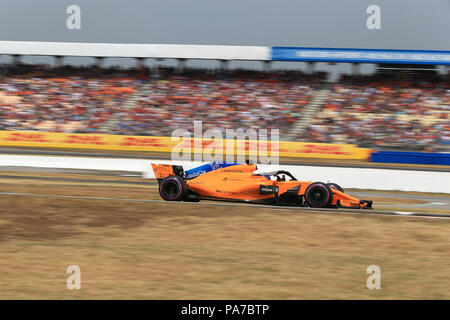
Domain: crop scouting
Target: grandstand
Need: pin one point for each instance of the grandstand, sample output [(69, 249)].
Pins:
[(402, 106), (385, 110)]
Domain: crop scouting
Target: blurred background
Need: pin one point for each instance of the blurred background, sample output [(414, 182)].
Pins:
[(395, 104), (392, 109)]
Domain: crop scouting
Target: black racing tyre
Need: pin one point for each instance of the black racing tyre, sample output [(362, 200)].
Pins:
[(173, 188), (318, 195), (335, 186)]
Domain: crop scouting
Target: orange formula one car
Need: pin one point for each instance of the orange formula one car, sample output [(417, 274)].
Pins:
[(238, 182)]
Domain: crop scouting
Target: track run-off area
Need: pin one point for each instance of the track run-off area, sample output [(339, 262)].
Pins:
[(131, 244)]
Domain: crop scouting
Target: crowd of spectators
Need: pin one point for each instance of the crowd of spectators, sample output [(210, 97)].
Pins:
[(64, 99), (69, 99), (385, 110), (370, 111), (234, 99)]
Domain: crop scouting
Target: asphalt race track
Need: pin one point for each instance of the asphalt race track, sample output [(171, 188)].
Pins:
[(303, 210), (410, 202)]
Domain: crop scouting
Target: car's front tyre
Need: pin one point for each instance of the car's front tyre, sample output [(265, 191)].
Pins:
[(318, 195)]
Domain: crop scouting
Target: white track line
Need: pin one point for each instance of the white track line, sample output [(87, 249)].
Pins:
[(324, 210)]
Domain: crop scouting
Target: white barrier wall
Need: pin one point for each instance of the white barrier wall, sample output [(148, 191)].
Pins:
[(358, 178), (86, 163)]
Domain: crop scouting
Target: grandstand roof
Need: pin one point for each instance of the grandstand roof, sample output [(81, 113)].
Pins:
[(123, 50), (216, 52)]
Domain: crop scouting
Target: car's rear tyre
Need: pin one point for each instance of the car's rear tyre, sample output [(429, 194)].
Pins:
[(173, 188), (318, 195), (335, 186)]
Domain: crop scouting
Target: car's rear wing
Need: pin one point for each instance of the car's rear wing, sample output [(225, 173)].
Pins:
[(164, 170)]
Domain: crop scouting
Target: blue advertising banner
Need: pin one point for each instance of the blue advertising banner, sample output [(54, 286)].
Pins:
[(361, 55), (411, 157)]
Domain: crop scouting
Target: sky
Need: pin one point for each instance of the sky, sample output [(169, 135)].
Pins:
[(405, 24)]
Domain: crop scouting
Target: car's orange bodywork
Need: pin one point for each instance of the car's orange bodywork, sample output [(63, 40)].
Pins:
[(240, 183)]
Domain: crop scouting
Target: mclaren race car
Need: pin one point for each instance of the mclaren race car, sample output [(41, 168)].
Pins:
[(239, 182)]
